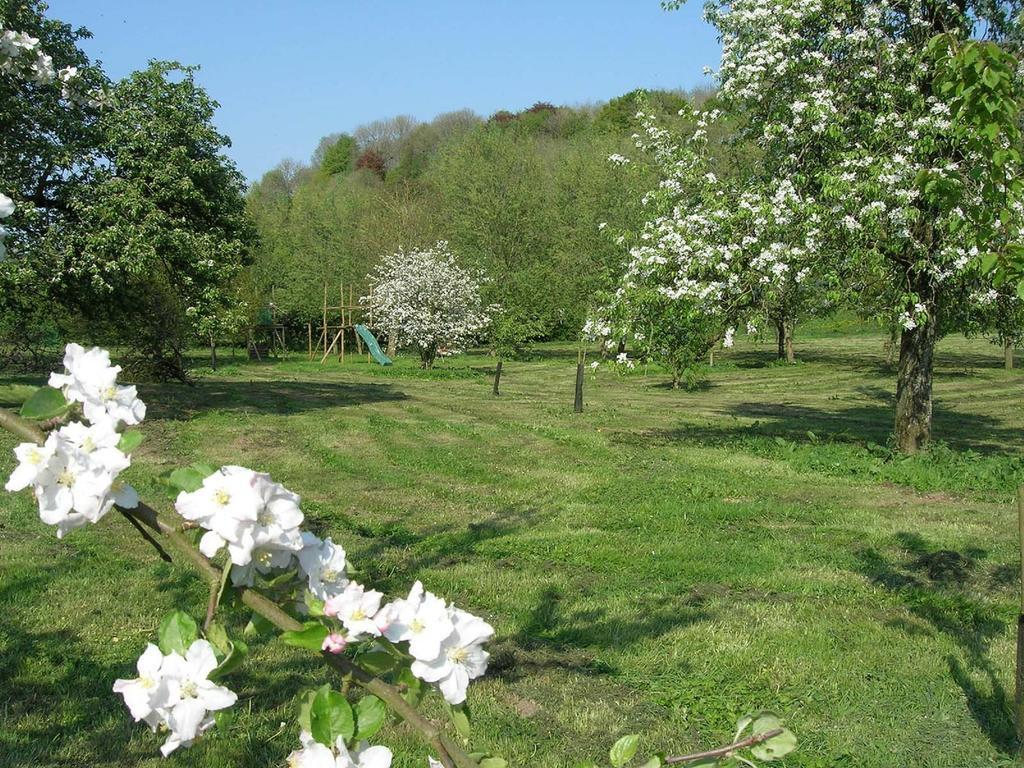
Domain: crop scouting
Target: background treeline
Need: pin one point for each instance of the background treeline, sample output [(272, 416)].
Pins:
[(522, 196)]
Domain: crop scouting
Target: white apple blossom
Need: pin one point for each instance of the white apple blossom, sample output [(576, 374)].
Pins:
[(422, 620), (147, 693), (99, 442), (91, 380), (175, 692), (33, 463), (461, 658), (358, 609), (315, 755), (73, 475), (191, 695), (255, 518), (324, 564), (6, 206)]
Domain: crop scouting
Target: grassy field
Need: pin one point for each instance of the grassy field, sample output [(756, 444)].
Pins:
[(662, 563)]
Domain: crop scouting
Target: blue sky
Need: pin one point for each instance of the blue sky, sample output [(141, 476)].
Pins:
[(288, 73)]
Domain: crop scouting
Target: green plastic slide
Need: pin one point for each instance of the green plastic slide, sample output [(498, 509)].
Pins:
[(371, 343)]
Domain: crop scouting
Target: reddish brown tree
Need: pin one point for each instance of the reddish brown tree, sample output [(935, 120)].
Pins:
[(372, 160)]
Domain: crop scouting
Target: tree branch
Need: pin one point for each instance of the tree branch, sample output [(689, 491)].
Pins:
[(728, 749), (450, 754)]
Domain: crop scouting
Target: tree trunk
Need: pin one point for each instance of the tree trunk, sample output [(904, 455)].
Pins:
[(914, 387), (1008, 355), (392, 343), (621, 348), (784, 334), (497, 378), (213, 352)]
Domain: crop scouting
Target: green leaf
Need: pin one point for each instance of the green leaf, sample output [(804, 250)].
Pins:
[(237, 651), (225, 579), (45, 403), (186, 479), (654, 762), (330, 716), (414, 689), (622, 751), (224, 718), (765, 721), (313, 603), (775, 747), (741, 725), (218, 637), (376, 663), (257, 626), (130, 441), (370, 715), (989, 261), (311, 636), (306, 699), (282, 579), (493, 762), (461, 720), (177, 632)]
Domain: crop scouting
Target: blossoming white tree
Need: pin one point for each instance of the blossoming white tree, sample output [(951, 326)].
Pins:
[(428, 300), (889, 164)]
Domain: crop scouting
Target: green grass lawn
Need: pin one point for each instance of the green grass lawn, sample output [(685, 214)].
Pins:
[(661, 564)]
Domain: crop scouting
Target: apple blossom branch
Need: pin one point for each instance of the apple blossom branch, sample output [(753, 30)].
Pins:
[(450, 754)]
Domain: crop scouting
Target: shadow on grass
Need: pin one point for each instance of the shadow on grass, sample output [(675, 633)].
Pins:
[(51, 690), (57, 706), (175, 402), (935, 585), (865, 360), (861, 423), (557, 633)]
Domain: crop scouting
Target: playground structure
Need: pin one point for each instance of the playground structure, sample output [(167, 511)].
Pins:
[(333, 334), (276, 334)]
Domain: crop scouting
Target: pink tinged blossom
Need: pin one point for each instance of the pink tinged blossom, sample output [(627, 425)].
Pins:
[(334, 643)]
